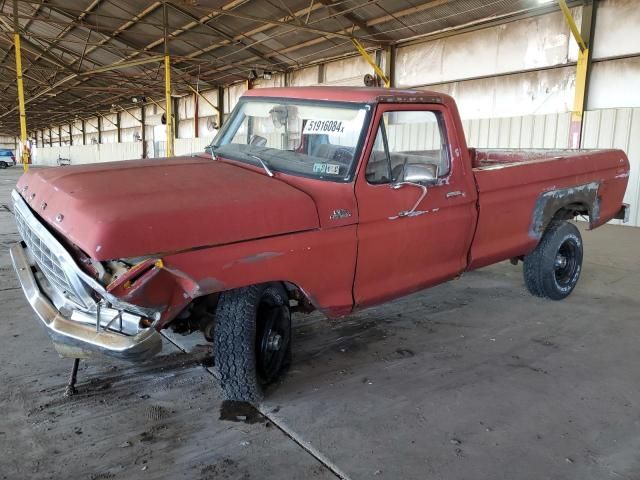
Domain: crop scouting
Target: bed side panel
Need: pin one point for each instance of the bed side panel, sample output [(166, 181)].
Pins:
[(517, 200)]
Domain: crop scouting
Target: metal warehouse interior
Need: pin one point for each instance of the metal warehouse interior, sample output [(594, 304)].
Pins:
[(470, 379)]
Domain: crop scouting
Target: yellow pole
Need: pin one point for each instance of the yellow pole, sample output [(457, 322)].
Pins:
[(168, 109), (23, 115), (167, 84), (582, 71), (371, 61)]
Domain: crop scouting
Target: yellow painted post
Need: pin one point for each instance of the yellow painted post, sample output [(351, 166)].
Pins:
[(577, 114), (168, 101), (23, 115), (582, 72), (167, 85), (371, 62)]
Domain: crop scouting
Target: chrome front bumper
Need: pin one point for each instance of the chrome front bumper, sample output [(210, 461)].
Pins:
[(77, 339)]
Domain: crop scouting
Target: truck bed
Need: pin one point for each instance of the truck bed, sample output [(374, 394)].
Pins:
[(488, 158), (510, 184)]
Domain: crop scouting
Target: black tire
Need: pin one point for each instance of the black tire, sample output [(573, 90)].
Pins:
[(3, 164), (552, 270), (250, 321)]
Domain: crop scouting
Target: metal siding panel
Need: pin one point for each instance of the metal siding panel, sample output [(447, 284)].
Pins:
[(633, 190), (475, 133), (504, 131), (526, 133), (515, 132), (483, 133), (466, 126), (493, 135), (550, 128), (590, 129), (562, 130), (607, 128), (539, 122)]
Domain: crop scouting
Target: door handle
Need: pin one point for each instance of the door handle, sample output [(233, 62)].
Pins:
[(457, 193)]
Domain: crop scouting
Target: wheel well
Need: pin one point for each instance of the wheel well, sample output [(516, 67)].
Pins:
[(571, 211), (199, 313)]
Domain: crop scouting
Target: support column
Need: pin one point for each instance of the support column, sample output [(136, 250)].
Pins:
[(84, 133), (196, 115), (23, 114), (220, 106), (363, 52), (99, 129), (118, 133), (167, 83), (144, 130), (71, 134), (584, 39), (390, 65), (176, 117), (59, 136), (50, 137)]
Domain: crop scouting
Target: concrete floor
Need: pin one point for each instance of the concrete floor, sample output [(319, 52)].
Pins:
[(474, 379)]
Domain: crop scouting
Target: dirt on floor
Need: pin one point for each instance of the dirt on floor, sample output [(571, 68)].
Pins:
[(474, 379)]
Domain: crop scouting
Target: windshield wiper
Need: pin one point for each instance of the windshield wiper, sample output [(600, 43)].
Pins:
[(263, 163), (212, 150)]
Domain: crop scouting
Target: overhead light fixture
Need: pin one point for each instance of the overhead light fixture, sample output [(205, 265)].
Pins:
[(253, 74), (267, 75)]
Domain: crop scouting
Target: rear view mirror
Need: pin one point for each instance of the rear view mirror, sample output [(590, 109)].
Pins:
[(420, 173), (258, 141)]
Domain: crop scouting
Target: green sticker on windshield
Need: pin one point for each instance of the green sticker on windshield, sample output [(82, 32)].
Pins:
[(328, 168), (319, 167)]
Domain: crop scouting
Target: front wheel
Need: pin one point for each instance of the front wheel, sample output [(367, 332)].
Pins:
[(552, 270), (3, 164), (252, 339)]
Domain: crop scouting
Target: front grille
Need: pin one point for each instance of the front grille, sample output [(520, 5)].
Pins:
[(51, 265)]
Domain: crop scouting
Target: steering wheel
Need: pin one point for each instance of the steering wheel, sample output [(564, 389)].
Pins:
[(342, 155), (398, 171)]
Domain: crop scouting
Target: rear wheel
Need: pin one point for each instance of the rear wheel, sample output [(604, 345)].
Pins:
[(3, 164), (252, 339), (552, 270)]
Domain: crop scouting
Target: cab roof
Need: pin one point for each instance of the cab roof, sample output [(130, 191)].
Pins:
[(351, 94)]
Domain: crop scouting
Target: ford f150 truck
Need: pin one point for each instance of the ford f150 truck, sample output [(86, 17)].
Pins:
[(308, 198)]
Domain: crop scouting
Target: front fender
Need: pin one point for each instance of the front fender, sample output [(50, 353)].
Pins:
[(320, 262)]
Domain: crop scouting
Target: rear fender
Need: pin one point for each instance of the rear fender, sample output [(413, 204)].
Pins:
[(565, 203)]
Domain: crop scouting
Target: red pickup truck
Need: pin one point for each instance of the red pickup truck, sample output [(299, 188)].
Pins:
[(308, 198)]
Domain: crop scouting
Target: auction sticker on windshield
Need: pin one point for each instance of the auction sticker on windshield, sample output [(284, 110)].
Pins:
[(317, 127)]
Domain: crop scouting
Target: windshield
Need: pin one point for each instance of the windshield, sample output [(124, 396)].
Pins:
[(308, 138)]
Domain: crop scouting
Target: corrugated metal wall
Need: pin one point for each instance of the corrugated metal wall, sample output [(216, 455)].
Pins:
[(608, 128), (618, 128), (529, 131)]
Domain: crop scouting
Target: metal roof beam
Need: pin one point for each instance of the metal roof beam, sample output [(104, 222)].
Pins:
[(354, 19), (219, 32), (407, 11)]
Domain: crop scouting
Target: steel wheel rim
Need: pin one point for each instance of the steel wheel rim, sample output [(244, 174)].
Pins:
[(272, 339), (566, 263)]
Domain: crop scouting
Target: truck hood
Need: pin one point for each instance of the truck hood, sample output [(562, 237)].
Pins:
[(143, 207)]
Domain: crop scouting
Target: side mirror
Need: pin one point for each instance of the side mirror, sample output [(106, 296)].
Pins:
[(420, 173)]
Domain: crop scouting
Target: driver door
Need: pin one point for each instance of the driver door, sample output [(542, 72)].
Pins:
[(399, 253)]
